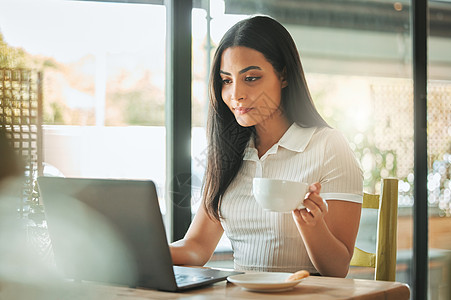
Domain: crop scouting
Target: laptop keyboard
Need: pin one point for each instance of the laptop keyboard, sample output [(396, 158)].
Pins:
[(183, 279)]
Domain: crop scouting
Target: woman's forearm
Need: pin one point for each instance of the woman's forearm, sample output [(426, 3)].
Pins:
[(199, 243), (185, 252), (329, 255), (329, 230)]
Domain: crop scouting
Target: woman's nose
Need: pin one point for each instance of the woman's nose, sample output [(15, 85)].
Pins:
[(238, 92)]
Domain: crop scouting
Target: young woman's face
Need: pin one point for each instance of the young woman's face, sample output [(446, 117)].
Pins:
[(251, 88)]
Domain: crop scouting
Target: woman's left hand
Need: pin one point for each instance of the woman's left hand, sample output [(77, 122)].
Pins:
[(315, 208)]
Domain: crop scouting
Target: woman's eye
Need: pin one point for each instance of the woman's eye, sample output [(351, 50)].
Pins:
[(251, 78), (226, 81)]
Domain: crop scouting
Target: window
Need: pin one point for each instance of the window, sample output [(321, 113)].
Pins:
[(104, 84)]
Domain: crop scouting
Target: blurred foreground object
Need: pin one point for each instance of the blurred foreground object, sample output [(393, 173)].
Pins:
[(9, 162), (21, 125), (22, 274)]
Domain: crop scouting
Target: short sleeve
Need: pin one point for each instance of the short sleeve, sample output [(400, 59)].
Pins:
[(341, 176)]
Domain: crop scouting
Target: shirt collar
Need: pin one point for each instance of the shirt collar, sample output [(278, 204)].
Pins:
[(295, 139)]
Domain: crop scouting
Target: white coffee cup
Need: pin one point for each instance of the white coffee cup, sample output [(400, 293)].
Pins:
[(279, 195)]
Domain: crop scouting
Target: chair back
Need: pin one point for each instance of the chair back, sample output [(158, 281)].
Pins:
[(384, 258)]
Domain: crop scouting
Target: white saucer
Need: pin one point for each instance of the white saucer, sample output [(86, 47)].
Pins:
[(264, 282)]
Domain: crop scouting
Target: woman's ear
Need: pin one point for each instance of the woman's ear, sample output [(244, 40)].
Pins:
[(283, 77)]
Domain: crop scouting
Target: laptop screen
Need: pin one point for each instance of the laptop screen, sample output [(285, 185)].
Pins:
[(107, 230)]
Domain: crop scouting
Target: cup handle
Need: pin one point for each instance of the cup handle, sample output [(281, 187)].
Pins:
[(301, 206)]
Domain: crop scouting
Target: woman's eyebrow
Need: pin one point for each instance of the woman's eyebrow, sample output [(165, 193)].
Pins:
[(242, 71), (249, 68)]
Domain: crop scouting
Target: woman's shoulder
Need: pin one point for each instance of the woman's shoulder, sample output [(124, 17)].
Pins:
[(330, 136), (316, 137), (327, 132)]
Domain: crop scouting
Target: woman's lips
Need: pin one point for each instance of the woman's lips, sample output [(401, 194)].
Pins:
[(242, 110)]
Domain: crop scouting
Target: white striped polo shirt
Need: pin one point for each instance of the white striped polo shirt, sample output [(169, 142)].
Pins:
[(269, 241)]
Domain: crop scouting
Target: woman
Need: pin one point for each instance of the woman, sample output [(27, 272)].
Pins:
[(262, 123)]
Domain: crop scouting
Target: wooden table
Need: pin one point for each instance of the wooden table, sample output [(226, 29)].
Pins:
[(311, 288)]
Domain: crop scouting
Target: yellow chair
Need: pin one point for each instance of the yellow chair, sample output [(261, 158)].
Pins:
[(384, 260)]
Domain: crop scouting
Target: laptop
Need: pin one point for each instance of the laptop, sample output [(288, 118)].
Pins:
[(112, 231)]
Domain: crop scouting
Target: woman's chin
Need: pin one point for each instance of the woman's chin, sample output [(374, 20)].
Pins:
[(244, 123)]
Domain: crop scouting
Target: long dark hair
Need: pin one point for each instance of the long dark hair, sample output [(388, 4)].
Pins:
[(227, 140)]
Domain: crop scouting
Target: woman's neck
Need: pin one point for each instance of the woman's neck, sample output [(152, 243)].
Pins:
[(269, 133)]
